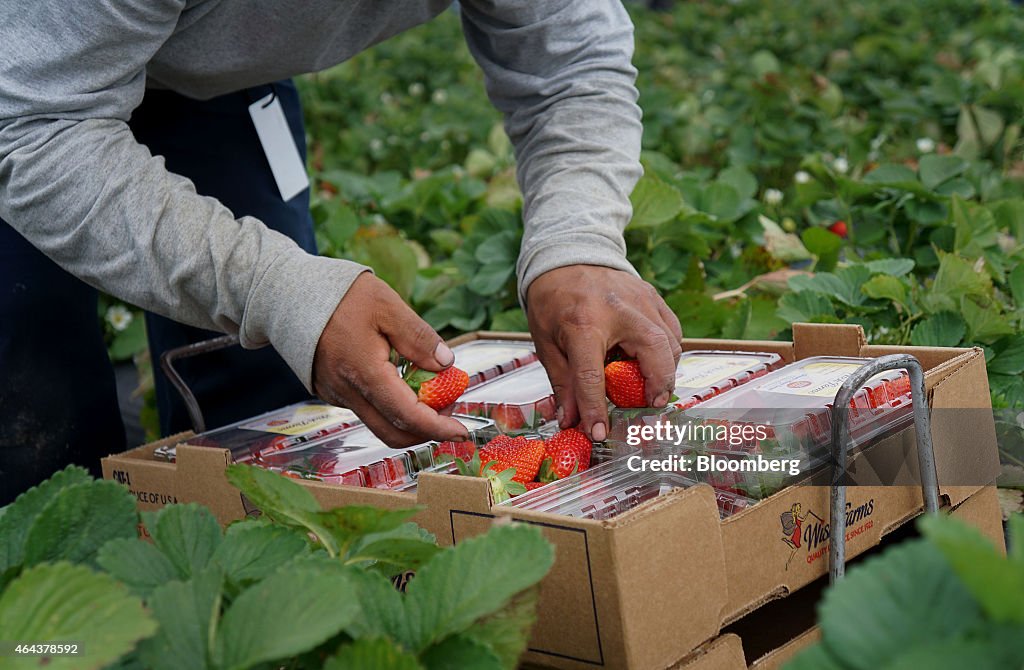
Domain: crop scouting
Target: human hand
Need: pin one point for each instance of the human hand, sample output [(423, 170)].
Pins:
[(577, 314), (352, 366)]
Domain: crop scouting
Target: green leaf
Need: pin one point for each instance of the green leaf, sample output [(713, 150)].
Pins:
[(700, 315), (943, 329), (889, 173), (395, 556), (964, 651), (459, 652), (740, 179), (1015, 526), (1016, 283), (913, 597), (19, 516), (270, 621), (372, 654), (502, 248), (186, 611), (513, 320), (806, 306), (739, 318), (885, 287), (935, 169), (824, 245), (281, 500), (130, 341), (187, 535), (346, 524), (391, 257), (654, 202), (491, 278), (252, 550), (507, 631), (79, 520), (138, 564), (474, 579), (985, 323), (341, 224), (721, 200), (65, 602), (996, 583), (1009, 358), (382, 609), (957, 277), (895, 267)]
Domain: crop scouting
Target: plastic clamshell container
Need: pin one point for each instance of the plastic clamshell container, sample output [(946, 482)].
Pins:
[(700, 376), (786, 416), (612, 488), (356, 457), (278, 429), (484, 360), (519, 402)]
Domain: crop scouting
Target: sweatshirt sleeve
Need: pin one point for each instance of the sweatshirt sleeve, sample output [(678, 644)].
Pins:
[(76, 184), (561, 72)]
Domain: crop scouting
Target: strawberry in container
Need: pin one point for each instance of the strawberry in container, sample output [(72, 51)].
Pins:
[(484, 360), (519, 402), (356, 457), (700, 376), (279, 429), (612, 488), (777, 429)]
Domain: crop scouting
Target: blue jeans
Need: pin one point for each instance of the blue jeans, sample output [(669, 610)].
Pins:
[(58, 402)]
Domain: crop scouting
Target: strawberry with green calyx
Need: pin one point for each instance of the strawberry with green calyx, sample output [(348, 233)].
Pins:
[(502, 484), (839, 228), (563, 464), (624, 384), (519, 453), (573, 439), (436, 390)]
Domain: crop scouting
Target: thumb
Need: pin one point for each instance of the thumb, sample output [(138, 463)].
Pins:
[(413, 338)]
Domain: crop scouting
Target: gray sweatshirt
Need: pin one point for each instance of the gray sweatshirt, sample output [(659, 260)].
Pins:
[(76, 184)]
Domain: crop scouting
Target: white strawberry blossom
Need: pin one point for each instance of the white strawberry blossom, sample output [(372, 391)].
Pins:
[(772, 196), (841, 165), (119, 317), (802, 177), (925, 145), (416, 89), (439, 97)]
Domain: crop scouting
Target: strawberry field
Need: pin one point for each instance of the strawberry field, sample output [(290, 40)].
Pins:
[(804, 162)]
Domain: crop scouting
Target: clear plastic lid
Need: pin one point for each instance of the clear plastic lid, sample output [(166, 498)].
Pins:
[(483, 360), (521, 401), (281, 428), (787, 413), (612, 488), (700, 376), (356, 457)]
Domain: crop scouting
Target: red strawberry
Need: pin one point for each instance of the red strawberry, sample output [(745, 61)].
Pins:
[(519, 453), (624, 384), (463, 450), (839, 228), (508, 417), (534, 485), (437, 390), (574, 440), (563, 464)]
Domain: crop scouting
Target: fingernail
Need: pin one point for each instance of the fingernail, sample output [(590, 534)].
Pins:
[(443, 355), (661, 400), (560, 416), (598, 432)]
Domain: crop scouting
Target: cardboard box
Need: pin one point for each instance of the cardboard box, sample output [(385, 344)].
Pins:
[(643, 589)]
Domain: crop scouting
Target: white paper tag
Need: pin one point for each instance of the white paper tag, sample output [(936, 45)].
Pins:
[(279, 146)]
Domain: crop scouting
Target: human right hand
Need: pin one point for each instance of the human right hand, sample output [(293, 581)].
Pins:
[(352, 366)]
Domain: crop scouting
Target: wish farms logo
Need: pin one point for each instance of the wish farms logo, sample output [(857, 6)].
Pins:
[(804, 532)]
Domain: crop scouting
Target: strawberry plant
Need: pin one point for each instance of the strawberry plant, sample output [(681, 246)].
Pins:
[(947, 600), (297, 587)]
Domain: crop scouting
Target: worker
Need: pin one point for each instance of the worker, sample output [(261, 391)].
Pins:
[(152, 149)]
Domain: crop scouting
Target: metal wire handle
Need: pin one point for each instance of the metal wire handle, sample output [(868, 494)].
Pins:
[(840, 447), (167, 359)]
